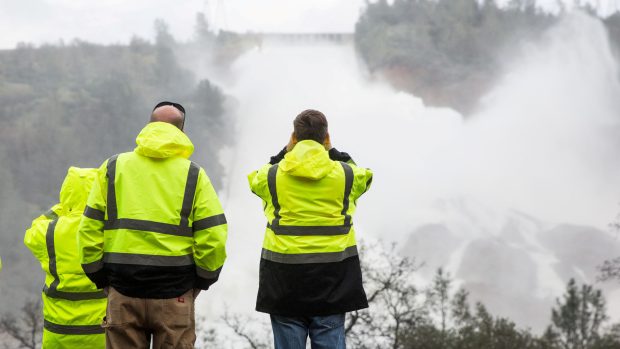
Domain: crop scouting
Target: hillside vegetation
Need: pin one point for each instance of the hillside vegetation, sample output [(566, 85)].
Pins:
[(449, 52)]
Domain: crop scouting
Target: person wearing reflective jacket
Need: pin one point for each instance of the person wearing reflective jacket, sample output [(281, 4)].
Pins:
[(154, 232), (310, 273), (73, 307)]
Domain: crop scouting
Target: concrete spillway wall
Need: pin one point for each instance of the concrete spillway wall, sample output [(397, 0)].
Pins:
[(307, 37)]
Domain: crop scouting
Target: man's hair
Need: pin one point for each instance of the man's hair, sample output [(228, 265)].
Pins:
[(178, 106), (310, 124)]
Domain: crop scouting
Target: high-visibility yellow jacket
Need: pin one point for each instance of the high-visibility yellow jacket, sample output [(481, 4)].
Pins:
[(153, 226), (309, 263), (73, 307)]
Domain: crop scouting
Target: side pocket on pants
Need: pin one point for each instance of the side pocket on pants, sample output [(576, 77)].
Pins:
[(117, 312)]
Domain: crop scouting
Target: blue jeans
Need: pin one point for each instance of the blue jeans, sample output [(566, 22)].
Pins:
[(326, 332)]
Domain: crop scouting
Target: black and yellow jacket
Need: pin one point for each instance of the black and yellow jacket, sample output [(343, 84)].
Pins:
[(153, 226), (309, 264), (73, 307)]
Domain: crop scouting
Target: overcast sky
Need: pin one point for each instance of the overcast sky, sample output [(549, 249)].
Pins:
[(116, 21)]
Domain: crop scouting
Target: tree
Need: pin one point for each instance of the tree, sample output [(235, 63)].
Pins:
[(438, 297), (446, 51), (78, 104), (27, 330), (610, 270), (395, 305), (162, 34), (578, 317), (207, 337), (403, 317), (202, 32), (255, 339)]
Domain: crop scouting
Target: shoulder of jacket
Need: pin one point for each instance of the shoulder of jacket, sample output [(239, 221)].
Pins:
[(195, 165)]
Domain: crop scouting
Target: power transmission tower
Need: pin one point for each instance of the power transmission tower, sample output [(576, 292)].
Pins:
[(216, 14)]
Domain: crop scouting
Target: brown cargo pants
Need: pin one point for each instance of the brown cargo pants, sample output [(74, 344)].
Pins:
[(130, 322)]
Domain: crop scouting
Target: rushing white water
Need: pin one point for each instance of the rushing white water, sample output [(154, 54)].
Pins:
[(545, 142)]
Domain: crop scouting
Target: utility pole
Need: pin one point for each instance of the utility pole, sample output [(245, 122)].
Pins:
[(215, 12), (221, 17)]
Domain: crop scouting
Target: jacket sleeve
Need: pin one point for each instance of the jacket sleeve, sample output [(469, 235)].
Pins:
[(90, 231), (278, 157), (210, 233), (35, 237), (336, 155), (258, 182), (361, 181)]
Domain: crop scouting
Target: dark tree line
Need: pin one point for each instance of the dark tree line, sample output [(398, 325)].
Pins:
[(403, 315), (442, 317), (449, 51)]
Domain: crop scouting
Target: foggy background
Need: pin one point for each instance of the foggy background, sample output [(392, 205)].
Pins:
[(507, 177), (116, 21)]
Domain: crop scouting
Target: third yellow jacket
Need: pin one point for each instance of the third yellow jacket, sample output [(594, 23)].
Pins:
[(73, 307)]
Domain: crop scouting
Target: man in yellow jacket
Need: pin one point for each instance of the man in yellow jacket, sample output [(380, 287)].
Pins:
[(154, 234), (73, 307), (310, 271)]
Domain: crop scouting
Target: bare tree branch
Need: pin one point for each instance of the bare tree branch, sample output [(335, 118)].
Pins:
[(26, 331), (392, 297), (238, 323), (609, 270)]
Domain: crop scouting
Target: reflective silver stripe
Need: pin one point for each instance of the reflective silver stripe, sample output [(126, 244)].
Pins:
[(73, 296), (73, 329), (271, 182), (94, 213), (208, 274), (181, 229), (51, 253), (50, 214), (307, 258), (52, 290), (310, 230), (209, 222), (51, 250), (189, 193), (150, 226), (146, 259), (348, 185), (111, 201), (93, 267)]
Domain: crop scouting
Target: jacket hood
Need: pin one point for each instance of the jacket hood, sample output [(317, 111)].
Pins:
[(308, 159), (75, 189), (163, 140)]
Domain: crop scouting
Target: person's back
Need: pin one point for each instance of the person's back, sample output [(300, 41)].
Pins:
[(153, 229), (73, 307), (149, 187), (310, 272)]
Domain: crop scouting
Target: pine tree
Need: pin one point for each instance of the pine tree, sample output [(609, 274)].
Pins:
[(439, 297), (578, 317)]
